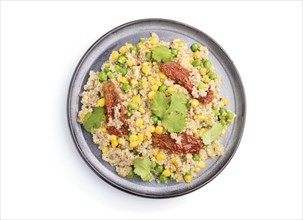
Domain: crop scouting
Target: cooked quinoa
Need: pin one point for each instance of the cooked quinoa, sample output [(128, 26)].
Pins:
[(135, 73)]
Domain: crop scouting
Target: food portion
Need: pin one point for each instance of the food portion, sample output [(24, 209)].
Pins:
[(155, 110)]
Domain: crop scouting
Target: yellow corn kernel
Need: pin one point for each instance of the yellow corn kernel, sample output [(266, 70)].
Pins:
[(122, 50), (180, 44), (176, 40), (155, 153), (122, 79), (206, 79), (129, 63), (201, 131), (223, 132), (150, 79), (196, 54), (198, 117), (152, 129), (154, 88), (197, 170), (179, 178), (114, 143), (203, 71), (140, 137), (194, 103), (121, 140), (159, 129), (129, 45), (105, 150), (114, 55), (155, 66), (136, 99), (82, 115), (160, 156), (202, 164), (141, 110), (133, 137), (112, 137), (173, 169), (141, 46), (151, 94), (145, 69), (170, 89), (133, 144), (224, 101), (101, 102), (133, 82), (173, 160), (144, 84), (158, 83), (161, 75), (166, 173), (153, 39), (191, 60), (103, 129), (139, 122), (188, 178)]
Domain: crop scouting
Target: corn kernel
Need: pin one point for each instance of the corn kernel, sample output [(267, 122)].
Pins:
[(158, 83), (173, 169), (197, 170), (112, 137), (180, 44), (198, 117), (121, 79), (114, 55), (176, 40), (114, 143), (133, 137), (224, 101), (160, 156), (202, 164), (154, 88), (136, 99), (140, 137), (155, 153), (179, 178), (223, 132), (152, 129), (82, 115), (129, 45), (103, 129), (144, 84), (133, 82), (133, 144), (173, 160), (101, 102), (122, 50), (170, 89), (121, 141), (155, 66), (191, 60), (145, 69), (129, 63), (153, 39), (201, 131), (206, 79), (203, 71), (139, 122), (196, 54), (166, 173), (188, 178), (141, 110), (105, 150), (150, 79), (141, 46), (151, 94), (161, 75), (194, 103), (159, 129)]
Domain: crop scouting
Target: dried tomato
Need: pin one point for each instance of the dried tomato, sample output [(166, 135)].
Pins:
[(208, 98)]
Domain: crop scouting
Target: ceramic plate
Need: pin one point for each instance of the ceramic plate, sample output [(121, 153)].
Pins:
[(131, 32)]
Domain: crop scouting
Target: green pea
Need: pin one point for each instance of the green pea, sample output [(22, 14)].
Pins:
[(222, 122), (163, 179), (133, 49), (197, 63), (222, 111), (117, 67), (174, 52), (154, 119), (139, 83), (130, 174), (111, 75), (196, 157), (213, 76), (126, 87), (128, 114), (207, 64), (162, 88), (106, 69), (102, 76), (122, 59), (153, 165), (141, 40), (229, 115), (158, 169), (201, 85), (187, 173), (129, 133), (132, 106), (123, 71), (148, 55), (195, 47)]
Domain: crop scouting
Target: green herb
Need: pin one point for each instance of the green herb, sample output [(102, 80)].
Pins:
[(161, 54), (143, 166), (212, 134), (130, 174), (93, 119)]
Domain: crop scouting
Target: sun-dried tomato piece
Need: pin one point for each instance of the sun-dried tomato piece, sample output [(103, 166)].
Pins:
[(189, 144), (180, 75), (112, 99)]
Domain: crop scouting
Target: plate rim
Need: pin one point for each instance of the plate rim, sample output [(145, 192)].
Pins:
[(121, 187)]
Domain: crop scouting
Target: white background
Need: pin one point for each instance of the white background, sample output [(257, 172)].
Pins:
[(42, 174)]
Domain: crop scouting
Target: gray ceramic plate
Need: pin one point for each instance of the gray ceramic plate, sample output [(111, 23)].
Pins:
[(131, 32)]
